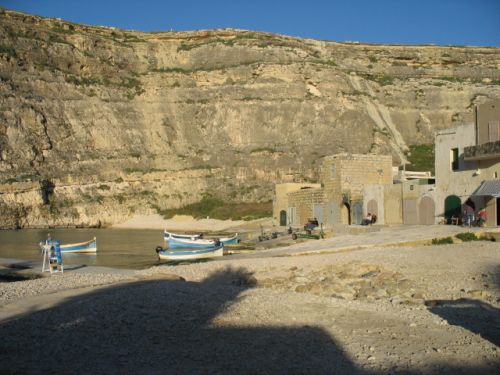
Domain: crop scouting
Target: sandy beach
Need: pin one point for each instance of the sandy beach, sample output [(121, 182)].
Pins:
[(350, 304), (178, 222)]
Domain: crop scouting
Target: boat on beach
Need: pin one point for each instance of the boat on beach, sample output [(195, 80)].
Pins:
[(175, 240), (176, 243), (190, 254), (81, 247), (233, 240), (168, 235)]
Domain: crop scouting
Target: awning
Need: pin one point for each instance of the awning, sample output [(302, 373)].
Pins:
[(489, 187)]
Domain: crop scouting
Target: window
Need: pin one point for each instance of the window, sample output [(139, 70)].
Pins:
[(454, 159)]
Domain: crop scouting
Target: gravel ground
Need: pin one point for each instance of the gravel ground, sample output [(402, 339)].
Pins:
[(417, 310)]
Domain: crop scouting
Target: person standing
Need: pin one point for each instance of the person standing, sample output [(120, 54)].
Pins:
[(468, 215)]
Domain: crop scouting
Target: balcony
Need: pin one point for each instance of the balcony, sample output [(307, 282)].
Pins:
[(485, 151)]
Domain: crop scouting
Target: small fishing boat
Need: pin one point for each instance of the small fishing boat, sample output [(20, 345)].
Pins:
[(233, 240), (82, 247), (190, 254), (167, 235), (176, 243)]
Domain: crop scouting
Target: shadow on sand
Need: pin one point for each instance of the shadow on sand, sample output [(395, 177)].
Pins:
[(167, 327), (476, 316)]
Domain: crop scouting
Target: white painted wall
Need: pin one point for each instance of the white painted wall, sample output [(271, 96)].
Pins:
[(462, 182)]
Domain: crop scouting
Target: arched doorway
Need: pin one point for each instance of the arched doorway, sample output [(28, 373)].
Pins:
[(452, 207), (345, 214), (426, 211), (372, 207), (283, 218), (357, 212)]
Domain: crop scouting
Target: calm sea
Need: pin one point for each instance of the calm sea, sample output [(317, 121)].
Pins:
[(120, 248)]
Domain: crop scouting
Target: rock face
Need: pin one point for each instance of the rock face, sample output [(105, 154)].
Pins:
[(119, 122)]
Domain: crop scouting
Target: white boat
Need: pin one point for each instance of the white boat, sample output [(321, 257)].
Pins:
[(196, 240), (82, 247), (168, 235), (190, 254), (176, 243), (233, 240)]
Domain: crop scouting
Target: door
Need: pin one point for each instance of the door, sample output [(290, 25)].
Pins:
[(498, 211), (452, 205), (304, 213), (410, 211), (318, 212), (357, 212), (283, 218), (493, 131), (330, 217), (426, 211), (292, 219), (345, 214), (372, 207)]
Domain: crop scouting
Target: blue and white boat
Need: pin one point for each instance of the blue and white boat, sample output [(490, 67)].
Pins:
[(197, 239), (176, 243), (168, 235), (190, 254), (82, 247), (233, 240)]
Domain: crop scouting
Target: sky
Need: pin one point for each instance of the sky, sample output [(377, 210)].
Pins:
[(440, 22)]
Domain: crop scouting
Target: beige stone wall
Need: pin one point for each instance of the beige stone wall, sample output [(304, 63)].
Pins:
[(304, 201), (484, 114), (371, 194), (352, 172), (281, 201), (393, 210), (409, 191), (346, 175), (413, 191)]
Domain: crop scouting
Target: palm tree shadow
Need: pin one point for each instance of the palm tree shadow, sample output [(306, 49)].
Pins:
[(163, 327)]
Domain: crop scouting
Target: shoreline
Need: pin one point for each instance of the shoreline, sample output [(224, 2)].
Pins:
[(178, 222)]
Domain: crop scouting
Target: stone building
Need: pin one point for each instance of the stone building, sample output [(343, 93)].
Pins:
[(340, 197), (281, 200), (468, 165), (344, 178)]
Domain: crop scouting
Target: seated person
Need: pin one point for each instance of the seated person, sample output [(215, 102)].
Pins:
[(311, 224), (367, 220), (374, 219)]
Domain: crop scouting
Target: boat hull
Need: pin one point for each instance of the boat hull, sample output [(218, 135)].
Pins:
[(178, 243), (168, 235), (83, 247), (191, 254), (234, 240)]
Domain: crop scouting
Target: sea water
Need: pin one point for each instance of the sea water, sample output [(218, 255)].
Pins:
[(120, 248)]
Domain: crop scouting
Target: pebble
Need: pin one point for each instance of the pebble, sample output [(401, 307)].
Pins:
[(16, 290)]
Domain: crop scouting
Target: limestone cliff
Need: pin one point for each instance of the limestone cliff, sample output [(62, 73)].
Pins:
[(97, 123)]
